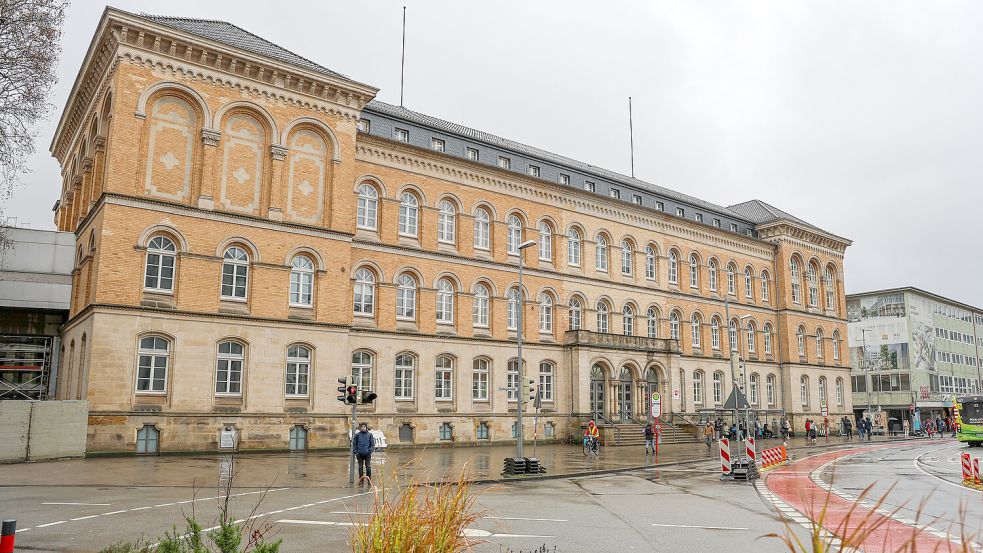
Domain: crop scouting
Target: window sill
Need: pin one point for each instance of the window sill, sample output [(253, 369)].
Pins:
[(151, 394), (161, 292), (233, 299)]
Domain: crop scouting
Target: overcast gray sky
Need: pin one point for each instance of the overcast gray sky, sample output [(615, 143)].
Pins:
[(862, 118)]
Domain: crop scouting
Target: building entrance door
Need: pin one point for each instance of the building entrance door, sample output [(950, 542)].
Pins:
[(596, 392), (624, 394)]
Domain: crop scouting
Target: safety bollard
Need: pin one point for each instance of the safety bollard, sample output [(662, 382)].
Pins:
[(976, 472), (749, 450), (7, 536), (967, 469), (724, 445)]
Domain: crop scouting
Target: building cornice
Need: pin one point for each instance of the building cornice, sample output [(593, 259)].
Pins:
[(919, 291), (785, 229)]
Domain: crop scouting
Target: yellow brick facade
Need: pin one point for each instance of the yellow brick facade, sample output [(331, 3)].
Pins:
[(214, 150)]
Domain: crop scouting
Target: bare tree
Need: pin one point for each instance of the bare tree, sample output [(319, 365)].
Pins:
[(30, 34)]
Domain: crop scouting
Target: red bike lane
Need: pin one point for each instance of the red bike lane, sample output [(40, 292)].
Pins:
[(793, 485)]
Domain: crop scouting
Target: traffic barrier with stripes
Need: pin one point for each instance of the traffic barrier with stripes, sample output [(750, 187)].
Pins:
[(724, 446), (773, 457), (7, 536), (749, 449), (967, 469), (976, 474)]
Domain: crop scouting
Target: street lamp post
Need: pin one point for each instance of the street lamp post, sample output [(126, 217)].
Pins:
[(865, 368), (520, 404)]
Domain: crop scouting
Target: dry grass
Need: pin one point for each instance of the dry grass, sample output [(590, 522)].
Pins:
[(418, 518)]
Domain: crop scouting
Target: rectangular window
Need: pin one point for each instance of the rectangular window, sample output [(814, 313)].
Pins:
[(402, 135), (680, 212), (733, 227), (699, 217), (364, 125), (615, 193), (234, 277), (504, 162), (564, 179), (437, 144), (228, 374), (716, 223), (446, 431), (660, 206), (748, 232), (482, 431), (479, 380), (589, 186), (636, 199), (471, 153), (534, 171)]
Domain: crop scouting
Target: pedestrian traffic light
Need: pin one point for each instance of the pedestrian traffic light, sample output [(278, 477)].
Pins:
[(528, 390), (351, 394), (343, 390)]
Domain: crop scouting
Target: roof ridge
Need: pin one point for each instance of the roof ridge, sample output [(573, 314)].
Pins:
[(145, 14)]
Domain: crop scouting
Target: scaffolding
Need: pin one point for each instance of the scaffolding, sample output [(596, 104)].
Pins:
[(25, 367)]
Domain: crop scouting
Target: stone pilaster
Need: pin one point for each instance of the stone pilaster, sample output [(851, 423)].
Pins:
[(210, 140), (278, 154)]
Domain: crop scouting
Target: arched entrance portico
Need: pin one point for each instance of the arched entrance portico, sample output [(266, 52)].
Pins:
[(625, 384), (597, 391), (654, 381)]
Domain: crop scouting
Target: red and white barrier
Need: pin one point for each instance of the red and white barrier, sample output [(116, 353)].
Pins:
[(773, 457), (967, 468), (976, 472), (7, 536), (749, 449), (724, 446)]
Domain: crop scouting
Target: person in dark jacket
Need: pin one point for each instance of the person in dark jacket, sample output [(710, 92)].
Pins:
[(363, 444)]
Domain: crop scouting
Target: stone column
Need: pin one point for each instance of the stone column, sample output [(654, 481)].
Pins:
[(85, 198), (99, 170), (278, 154), (76, 202), (210, 139)]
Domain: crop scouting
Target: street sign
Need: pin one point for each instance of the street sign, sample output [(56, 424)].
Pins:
[(656, 405), (675, 393), (824, 409)]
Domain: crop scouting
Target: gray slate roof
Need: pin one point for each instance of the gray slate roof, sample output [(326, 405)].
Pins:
[(760, 212), (504, 143), (237, 37)]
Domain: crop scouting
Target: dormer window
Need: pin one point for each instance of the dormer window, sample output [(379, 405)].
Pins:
[(402, 135)]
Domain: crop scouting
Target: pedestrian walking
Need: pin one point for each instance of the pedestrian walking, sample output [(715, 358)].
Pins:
[(708, 434), (364, 444), (848, 429), (784, 429), (649, 440), (906, 426), (952, 426), (868, 429)]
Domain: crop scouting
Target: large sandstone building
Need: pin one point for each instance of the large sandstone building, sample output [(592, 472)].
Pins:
[(252, 226)]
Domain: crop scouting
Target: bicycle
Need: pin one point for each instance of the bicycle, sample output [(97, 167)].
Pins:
[(591, 447)]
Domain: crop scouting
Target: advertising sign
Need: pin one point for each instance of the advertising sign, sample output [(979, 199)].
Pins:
[(675, 393)]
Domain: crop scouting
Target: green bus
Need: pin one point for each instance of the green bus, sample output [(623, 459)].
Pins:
[(969, 420)]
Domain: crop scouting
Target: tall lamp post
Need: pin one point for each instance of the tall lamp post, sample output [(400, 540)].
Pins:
[(520, 405), (866, 369)]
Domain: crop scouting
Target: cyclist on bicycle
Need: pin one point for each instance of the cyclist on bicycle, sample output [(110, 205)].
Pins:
[(591, 434)]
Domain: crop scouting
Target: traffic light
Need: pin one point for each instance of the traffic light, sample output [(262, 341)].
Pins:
[(343, 390), (528, 390), (351, 394), (368, 396)]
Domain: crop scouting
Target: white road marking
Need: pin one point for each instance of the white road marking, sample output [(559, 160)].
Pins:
[(19, 530), (84, 518), (530, 519), (700, 527), (81, 504), (316, 522), (50, 524), (114, 513)]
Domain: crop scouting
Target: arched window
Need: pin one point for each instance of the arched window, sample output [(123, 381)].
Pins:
[(627, 253), (718, 388), (694, 271), (731, 284), (546, 370), (836, 345), (512, 380), (830, 287), (800, 338), (732, 335), (764, 286), (796, 277), (409, 215), (715, 333), (770, 389), (602, 317), (446, 222), (545, 241), (813, 285), (575, 314), (650, 262), (674, 325), (819, 343), (628, 320), (444, 378), (673, 268), (712, 274), (839, 391), (148, 440), (514, 236), (404, 376), (159, 273), (698, 387), (748, 284), (482, 229), (479, 379), (406, 297), (753, 389), (573, 247), (479, 306), (445, 301), (302, 281), (298, 371), (512, 309), (368, 207), (231, 364), (153, 360), (362, 370), (545, 313), (767, 338), (652, 322), (696, 330), (601, 253), (364, 293), (751, 338), (822, 390), (235, 273), (804, 391)]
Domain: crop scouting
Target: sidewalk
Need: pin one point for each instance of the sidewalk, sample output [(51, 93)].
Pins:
[(330, 469)]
